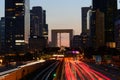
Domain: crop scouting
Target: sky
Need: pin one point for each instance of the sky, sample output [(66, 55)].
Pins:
[(63, 14), (60, 14)]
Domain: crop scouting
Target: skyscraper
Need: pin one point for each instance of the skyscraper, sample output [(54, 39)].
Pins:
[(117, 30), (38, 24), (36, 21), (84, 18), (45, 26), (2, 33), (108, 8), (38, 29), (17, 24), (86, 15)]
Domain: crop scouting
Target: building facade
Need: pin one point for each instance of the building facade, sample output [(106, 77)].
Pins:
[(117, 33), (45, 26), (38, 26), (108, 8), (100, 37), (76, 41), (17, 24), (84, 18), (38, 29), (36, 21), (2, 34)]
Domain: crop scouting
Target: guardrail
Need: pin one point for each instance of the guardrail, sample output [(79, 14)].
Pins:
[(20, 71)]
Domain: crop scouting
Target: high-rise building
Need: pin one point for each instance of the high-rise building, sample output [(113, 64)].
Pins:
[(100, 37), (45, 26), (38, 29), (17, 24), (117, 33), (2, 34), (108, 9), (85, 11), (117, 30), (36, 21), (86, 16), (76, 41), (38, 24)]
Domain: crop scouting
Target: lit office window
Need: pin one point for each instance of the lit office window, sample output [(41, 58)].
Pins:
[(19, 40), (18, 4), (10, 9)]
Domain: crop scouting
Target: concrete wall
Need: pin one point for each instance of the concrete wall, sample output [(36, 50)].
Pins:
[(20, 72)]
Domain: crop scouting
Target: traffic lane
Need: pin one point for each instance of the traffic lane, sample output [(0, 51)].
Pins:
[(92, 73), (47, 73), (44, 65), (83, 71), (112, 72)]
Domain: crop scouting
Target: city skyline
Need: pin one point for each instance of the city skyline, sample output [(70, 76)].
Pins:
[(60, 14), (56, 10), (54, 20)]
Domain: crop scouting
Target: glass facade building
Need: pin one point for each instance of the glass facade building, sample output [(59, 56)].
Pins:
[(109, 9), (17, 24), (2, 33)]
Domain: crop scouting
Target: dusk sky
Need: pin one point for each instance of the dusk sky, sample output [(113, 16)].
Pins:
[(60, 14)]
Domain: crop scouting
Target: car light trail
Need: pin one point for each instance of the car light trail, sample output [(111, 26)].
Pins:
[(82, 70), (68, 72)]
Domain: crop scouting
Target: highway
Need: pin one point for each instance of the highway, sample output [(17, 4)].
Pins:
[(47, 73), (77, 70), (111, 71), (70, 69)]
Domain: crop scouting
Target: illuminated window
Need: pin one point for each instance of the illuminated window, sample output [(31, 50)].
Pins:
[(20, 41), (14, 17), (18, 4), (10, 9), (44, 32), (16, 14), (17, 44), (18, 35)]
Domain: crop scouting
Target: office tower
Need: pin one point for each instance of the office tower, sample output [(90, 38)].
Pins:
[(38, 29), (45, 26), (100, 31), (17, 24), (38, 24), (2, 34), (85, 12), (117, 30), (108, 9), (76, 41), (36, 21), (117, 33), (86, 15)]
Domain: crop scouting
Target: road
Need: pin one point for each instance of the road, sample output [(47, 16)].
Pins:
[(70, 69), (77, 70), (48, 72)]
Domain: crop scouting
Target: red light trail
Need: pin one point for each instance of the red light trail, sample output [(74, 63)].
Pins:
[(77, 70)]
